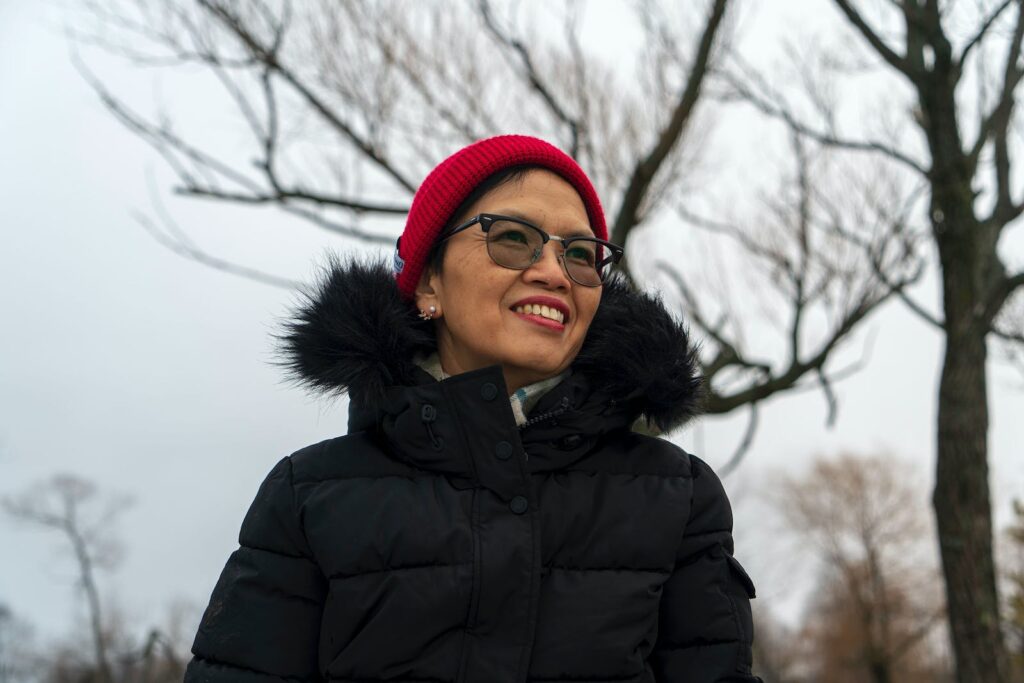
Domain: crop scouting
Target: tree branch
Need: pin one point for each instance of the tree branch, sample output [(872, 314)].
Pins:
[(979, 36), (178, 241), (1016, 337), (744, 446), (874, 258), (285, 195), (898, 62), (267, 56), (1003, 290), (783, 114), (996, 124), (719, 403), (644, 172), (200, 256), (169, 145), (1014, 281), (727, 355), (532, 75)]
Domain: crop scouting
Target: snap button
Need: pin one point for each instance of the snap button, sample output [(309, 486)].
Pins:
[(570, 442), (488, 391), (428, 413), (503, 450), (519, 505)]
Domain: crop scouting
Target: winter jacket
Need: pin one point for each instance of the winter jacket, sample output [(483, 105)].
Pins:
[(439, 542)]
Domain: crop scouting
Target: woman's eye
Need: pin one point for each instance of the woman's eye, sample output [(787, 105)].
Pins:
[(580, 254), (513, 236)]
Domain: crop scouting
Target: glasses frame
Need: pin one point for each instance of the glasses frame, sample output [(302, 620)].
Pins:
[(487, 220)]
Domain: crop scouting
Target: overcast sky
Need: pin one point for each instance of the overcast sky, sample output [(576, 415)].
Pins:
[(151, 375)]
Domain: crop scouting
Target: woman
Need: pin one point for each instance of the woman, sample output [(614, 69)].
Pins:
[(491, 514)]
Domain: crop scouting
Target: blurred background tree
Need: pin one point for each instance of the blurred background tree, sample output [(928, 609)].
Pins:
[(879, 601), (84, 517), (1015, 591), (17, 661)]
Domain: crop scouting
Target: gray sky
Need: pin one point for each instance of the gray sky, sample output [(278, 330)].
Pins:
[(151, 374)]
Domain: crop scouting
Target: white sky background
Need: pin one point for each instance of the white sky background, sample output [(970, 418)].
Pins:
[(151, 374)]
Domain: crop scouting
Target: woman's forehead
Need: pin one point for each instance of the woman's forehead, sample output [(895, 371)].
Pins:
[(561, 229), (543, 198)]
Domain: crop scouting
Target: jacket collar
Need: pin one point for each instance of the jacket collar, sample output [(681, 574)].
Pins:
[(522, 400), (352, 332)]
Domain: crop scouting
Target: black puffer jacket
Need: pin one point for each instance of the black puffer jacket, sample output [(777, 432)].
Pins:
[(438, 542)]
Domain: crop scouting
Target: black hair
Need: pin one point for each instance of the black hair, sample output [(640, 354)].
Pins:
[(435, 260)]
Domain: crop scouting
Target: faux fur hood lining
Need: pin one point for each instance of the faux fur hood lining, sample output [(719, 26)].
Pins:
[(352, 332)]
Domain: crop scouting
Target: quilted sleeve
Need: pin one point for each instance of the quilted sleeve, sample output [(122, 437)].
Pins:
[(263, 620), (705, 630)]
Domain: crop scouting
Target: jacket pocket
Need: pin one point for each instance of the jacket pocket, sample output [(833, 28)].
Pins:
[(741, 574)]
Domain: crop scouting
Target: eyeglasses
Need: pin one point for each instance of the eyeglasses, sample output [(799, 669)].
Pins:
[(518, 244)]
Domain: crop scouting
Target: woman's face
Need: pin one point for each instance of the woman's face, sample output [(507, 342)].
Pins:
[(476, 299)]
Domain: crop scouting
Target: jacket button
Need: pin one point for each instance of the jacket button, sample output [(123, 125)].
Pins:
[(488, 391), (569, 442), (503, 450), (519, 505)]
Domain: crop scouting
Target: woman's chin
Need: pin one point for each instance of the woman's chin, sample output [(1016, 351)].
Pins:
[(530, 369)]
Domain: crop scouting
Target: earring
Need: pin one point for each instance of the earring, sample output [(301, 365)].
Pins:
[(429, 314)]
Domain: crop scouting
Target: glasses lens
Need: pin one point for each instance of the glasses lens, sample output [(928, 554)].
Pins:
[(512, 244), (582, 259)]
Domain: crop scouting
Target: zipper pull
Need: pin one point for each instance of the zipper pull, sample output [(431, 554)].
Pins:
[(428, 414)]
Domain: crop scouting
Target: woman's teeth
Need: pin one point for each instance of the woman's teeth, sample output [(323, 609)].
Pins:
[(543, 311)]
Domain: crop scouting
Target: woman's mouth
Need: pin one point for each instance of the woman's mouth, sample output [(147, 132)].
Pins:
[(549, 313), (544, 316)]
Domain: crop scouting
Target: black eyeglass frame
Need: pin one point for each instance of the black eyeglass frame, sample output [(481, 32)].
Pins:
[(487, 220)]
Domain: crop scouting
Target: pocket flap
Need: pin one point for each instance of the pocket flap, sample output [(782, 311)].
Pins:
[(741, 573)]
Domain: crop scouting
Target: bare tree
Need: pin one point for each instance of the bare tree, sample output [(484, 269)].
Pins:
[(345, 106), (960, 148), (836, 631), (67, 504), (880, 596), (1015, 595), (76, 509), (17, 663), (779, 655)]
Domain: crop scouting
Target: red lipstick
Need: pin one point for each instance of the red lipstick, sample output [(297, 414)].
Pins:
[(550, 302)]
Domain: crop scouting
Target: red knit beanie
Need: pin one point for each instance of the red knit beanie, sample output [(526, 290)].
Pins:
[(445, 188)]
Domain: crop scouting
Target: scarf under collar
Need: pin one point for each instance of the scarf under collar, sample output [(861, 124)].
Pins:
[(523, 399)]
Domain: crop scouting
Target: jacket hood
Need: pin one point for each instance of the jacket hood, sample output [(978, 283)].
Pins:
[(351, 332)]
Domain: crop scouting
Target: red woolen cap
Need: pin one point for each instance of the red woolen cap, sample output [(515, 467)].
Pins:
[(445, 188)]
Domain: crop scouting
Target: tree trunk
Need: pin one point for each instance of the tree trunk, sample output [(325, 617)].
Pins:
[(961, 496), (880, 671), (967, 253)]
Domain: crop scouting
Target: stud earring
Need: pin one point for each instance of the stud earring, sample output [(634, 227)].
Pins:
[(428, 314)]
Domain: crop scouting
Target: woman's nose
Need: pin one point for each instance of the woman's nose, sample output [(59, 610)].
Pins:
[(548, 268)]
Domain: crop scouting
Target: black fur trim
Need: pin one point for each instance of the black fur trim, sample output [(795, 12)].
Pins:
[(636, 350), (354, 333)]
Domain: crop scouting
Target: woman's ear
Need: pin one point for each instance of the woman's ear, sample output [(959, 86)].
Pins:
[(428, 293)]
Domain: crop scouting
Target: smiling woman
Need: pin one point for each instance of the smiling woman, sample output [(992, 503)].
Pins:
[(458, 535)]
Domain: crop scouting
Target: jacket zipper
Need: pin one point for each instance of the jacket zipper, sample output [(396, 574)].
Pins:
[(562, 407)]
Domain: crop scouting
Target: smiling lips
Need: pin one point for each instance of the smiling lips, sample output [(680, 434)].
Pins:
[(545, 311)]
